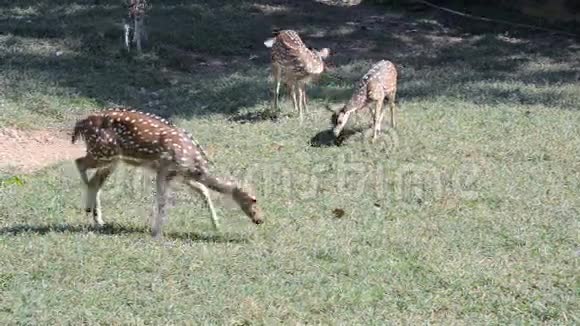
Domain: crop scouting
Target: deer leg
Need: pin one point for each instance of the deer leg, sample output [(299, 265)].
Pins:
[(392, 109), (371, 113), (137, 33), (161, 202), (294, 98), (304, 101), (144, 35), (300, 102), (204, 192), (277, 70), (380, 122), (377, 116), (83, 164), (94, 192), (127, 30)]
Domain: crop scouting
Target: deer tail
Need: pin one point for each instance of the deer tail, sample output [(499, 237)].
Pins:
[(270, 42)]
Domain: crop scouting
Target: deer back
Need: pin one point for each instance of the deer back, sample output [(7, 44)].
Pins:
[(138, 136)]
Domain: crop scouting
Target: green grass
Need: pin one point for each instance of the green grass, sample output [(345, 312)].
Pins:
[(467, 214)]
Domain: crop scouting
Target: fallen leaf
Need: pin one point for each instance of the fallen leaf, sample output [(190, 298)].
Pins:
[(338, 212)]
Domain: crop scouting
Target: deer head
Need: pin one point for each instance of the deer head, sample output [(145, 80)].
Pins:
[(338, 118), (248, 204)]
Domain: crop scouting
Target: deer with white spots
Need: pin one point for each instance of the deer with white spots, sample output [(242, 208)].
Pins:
[(378, 84), (144, 140), (295, 65)]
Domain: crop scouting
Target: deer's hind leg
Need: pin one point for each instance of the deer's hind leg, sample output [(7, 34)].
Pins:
[(304, 100), (301, 101), (164, 177), (295, 94)]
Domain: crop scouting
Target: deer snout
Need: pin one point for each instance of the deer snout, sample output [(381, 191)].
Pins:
[(257, 218)]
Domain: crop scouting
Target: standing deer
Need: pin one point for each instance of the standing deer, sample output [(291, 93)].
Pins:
[(144, 140), (136, 12), (378, 84), (295, 65)]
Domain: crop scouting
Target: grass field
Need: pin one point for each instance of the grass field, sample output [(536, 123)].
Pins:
[(468, 213)]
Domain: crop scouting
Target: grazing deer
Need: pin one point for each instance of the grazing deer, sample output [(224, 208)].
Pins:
[(144, 140), (295, 65), (378, 84)]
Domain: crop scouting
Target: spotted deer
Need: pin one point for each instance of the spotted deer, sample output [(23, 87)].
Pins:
[(295, 65), (123, 135), (378, 84)]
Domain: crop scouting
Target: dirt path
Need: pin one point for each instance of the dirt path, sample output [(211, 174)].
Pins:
[(27, 151)]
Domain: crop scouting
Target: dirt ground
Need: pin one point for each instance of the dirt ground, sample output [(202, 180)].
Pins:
[(28, 151)]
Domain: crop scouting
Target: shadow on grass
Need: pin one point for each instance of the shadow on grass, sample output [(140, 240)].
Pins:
[(113, 229), (326, 138)]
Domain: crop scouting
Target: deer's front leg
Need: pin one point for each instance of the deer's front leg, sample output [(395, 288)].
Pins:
[(83, 164), (277, 71), (381, 116), (94, 192), (304, 101), (204, 192)]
